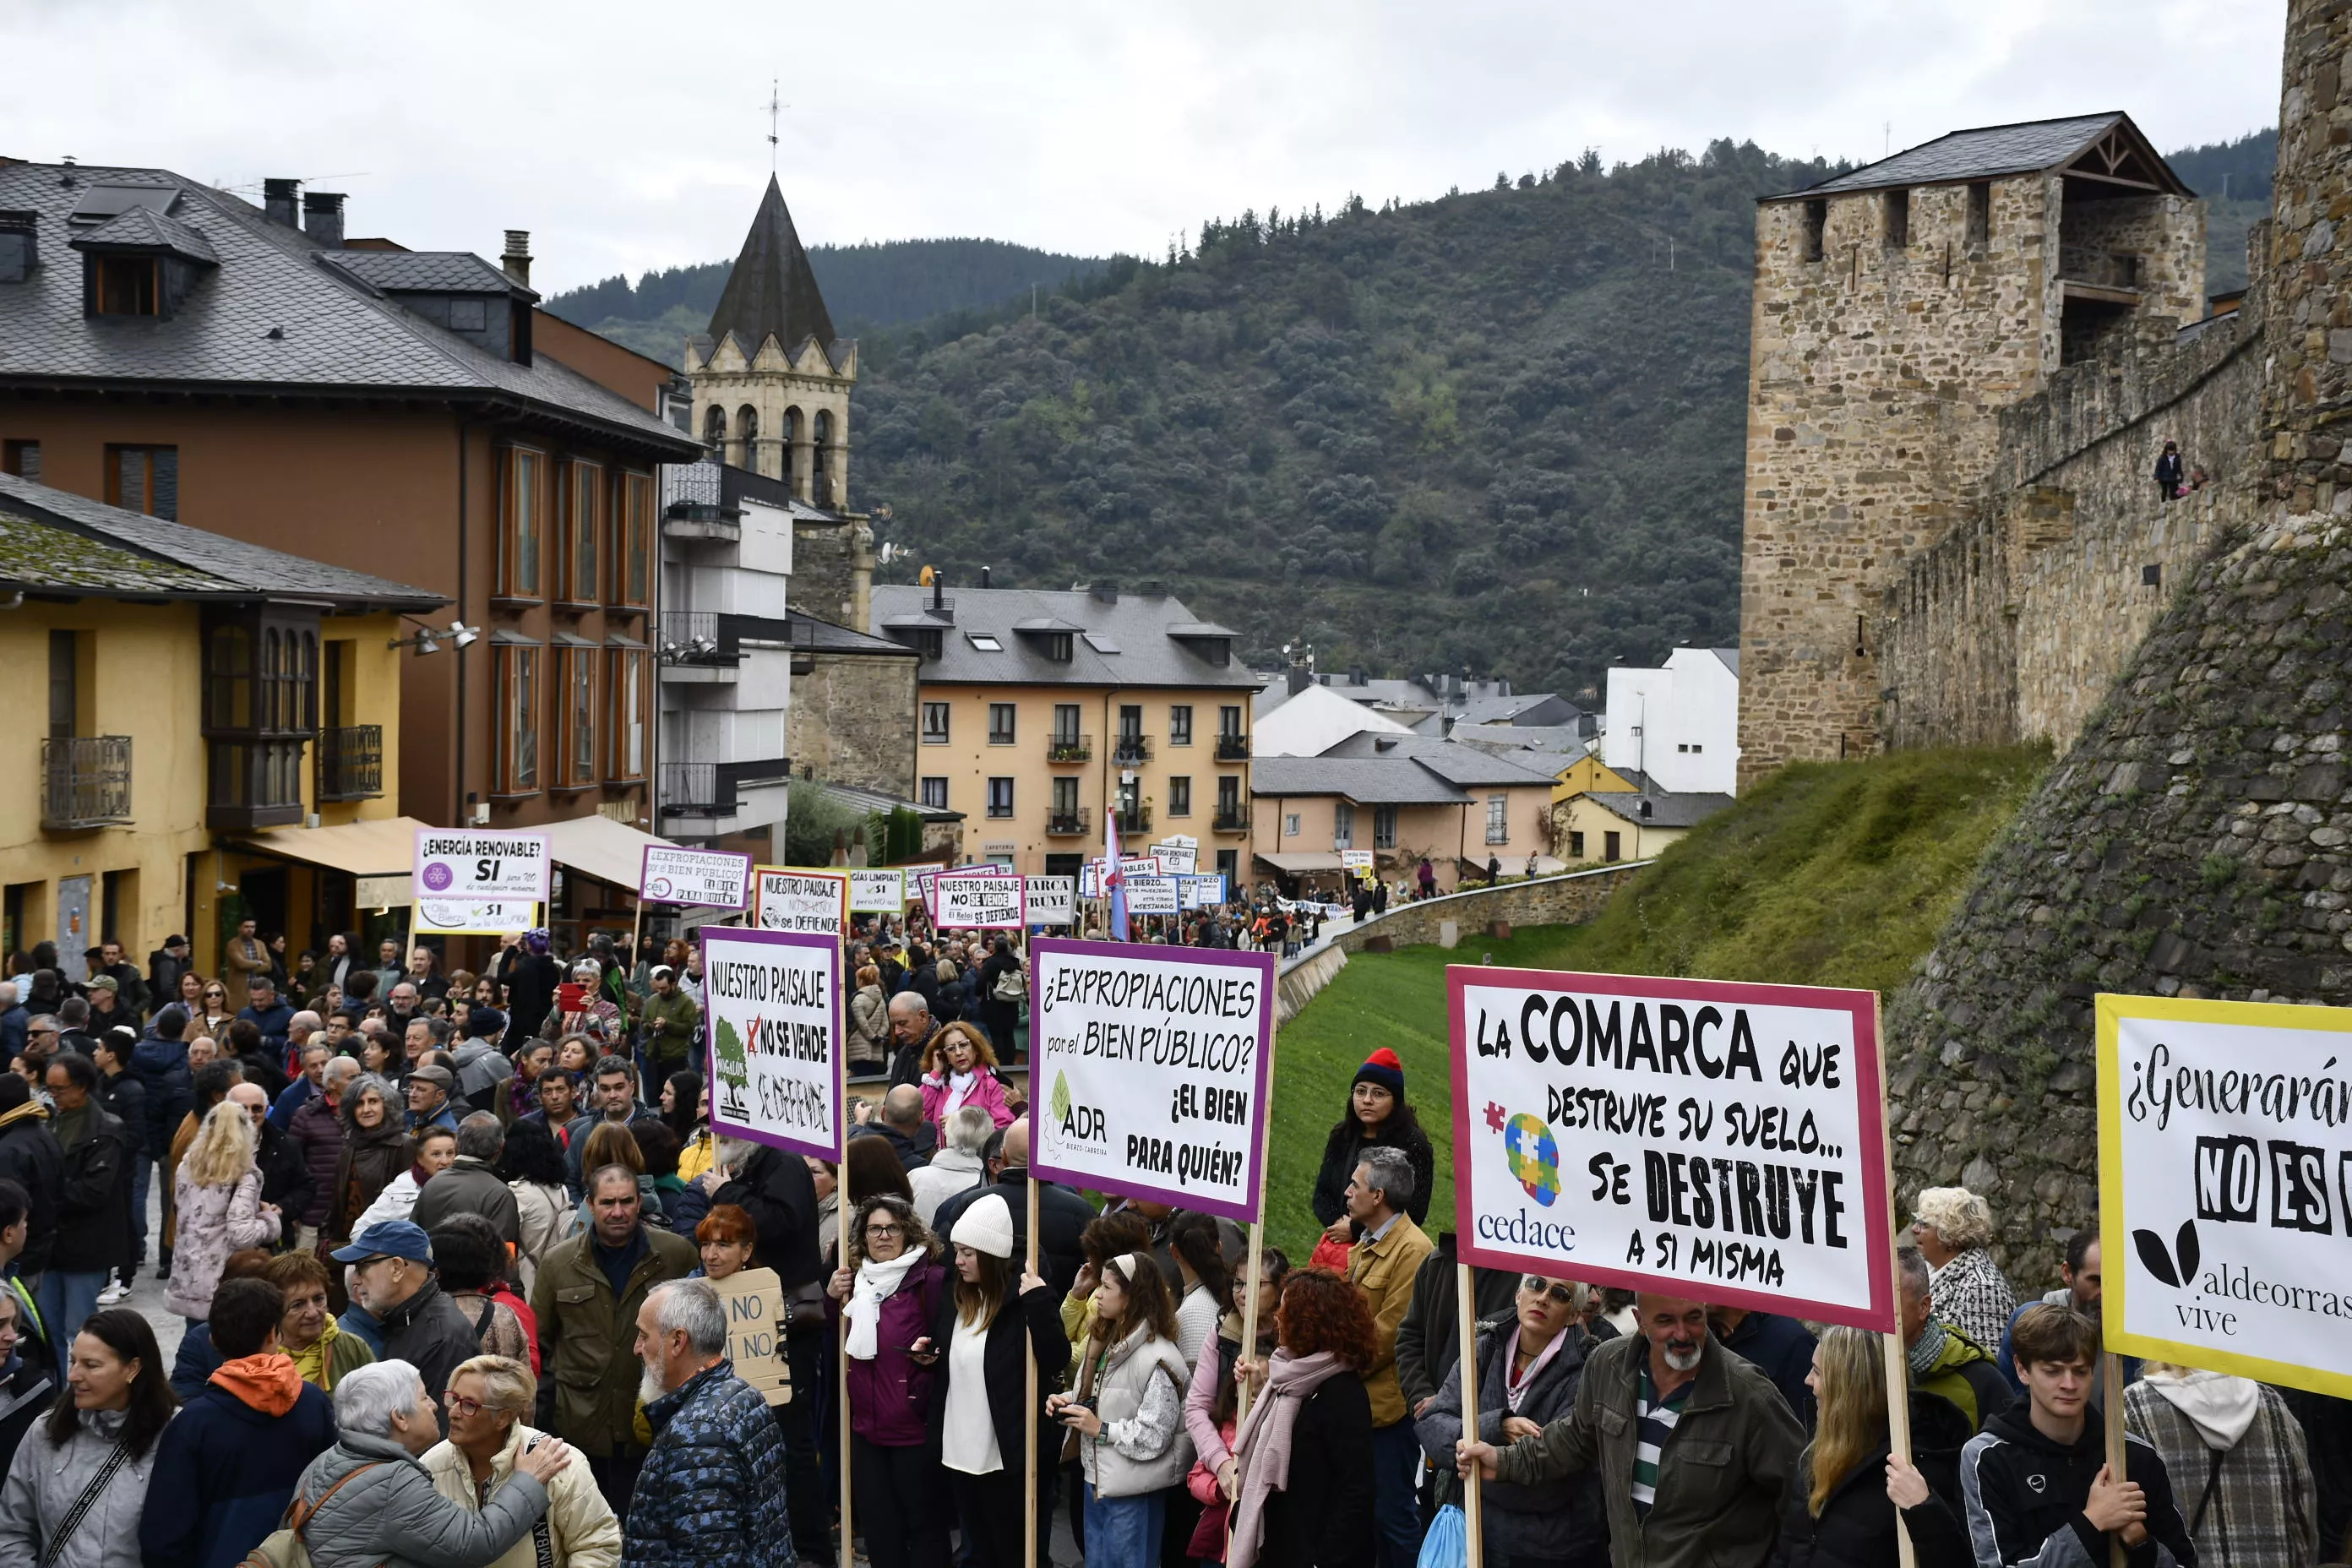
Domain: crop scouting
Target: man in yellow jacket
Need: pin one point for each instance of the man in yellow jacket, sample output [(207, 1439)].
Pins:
[(1388, 1253)]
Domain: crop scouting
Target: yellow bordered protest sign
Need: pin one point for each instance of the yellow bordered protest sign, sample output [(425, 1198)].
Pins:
[(2225, 1186)]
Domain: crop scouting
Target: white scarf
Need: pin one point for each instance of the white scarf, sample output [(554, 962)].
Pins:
[(959, 1087), (876, 1283)]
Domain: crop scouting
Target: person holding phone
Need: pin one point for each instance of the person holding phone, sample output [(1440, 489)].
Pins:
[(1129, 1417), (889, 1289), (979, 1400), (583, 1008)]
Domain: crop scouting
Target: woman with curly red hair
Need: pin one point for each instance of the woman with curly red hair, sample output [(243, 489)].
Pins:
[(1303, 1486)]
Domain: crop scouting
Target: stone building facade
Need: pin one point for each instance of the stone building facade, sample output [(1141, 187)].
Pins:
[(1898, 311)]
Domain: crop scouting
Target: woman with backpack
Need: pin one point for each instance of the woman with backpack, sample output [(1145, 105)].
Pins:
[(1003, 987)]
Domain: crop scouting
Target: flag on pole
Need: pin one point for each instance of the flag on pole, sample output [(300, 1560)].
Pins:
[(1114, 884)]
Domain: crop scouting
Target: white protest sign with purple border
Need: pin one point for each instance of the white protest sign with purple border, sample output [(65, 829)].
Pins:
[(707, 878), (771, 1000)]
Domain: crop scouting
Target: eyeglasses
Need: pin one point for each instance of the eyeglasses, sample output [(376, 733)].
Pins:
[(1561, 1295), (885, 1232), (458, 1404)]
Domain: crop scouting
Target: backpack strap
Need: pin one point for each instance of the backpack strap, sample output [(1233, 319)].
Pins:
[(117, 1456), (2213, 1476), (297, 1516)]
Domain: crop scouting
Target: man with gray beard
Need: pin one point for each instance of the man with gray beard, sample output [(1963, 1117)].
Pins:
[(1674, 1385), (711, 1491)]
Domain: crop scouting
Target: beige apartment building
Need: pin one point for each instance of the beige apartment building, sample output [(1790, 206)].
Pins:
[(1042, 712)]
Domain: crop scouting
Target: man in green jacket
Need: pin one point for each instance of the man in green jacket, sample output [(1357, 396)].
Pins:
[(669, 1017), (1695, 1445), (586, 1298), (1943, 1361)]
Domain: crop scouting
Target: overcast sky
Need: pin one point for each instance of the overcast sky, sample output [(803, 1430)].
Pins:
[(633, 136)]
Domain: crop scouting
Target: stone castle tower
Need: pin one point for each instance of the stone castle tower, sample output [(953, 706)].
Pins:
[(770, 381), (1898, 310)]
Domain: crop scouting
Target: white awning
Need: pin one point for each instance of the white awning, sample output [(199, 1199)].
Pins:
[(1302, 860), (382, 851), (611, 852)]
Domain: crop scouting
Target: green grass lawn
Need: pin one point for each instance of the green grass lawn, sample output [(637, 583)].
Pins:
[(1827, 874)]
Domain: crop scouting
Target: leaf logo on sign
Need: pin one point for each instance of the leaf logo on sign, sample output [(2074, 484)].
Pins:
[(1060, 1104), (2158, 1262)]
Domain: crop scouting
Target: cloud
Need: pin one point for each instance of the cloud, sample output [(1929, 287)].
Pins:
[(625, 137)]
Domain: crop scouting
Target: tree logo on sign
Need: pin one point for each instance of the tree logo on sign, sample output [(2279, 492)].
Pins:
[(734, 1069)]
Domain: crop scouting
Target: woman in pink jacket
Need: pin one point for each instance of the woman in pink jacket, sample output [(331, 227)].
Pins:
[(960, 1070)]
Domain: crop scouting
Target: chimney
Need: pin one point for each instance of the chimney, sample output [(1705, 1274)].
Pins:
[(19, 244), (1103, 591), (939, 591), (1296, 679), (322, 218), (277, 200), (517, 258), (984, 576)]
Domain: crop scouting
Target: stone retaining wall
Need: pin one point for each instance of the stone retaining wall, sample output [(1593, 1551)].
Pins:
[(1570, 898)]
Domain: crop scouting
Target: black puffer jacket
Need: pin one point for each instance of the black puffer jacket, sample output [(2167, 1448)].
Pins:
[(94, 1221), (1856, 1529), (1344, 1149), (29, 1157)]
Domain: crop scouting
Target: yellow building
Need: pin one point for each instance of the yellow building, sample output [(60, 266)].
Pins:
[(1042, 711), (198, 690), (1602, 814), (1406, 798)]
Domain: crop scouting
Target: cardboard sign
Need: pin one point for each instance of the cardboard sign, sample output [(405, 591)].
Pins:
[(1355, 860), (709, 879), (979, 899), (1153, 1063), (754, 1299), (2225, 1186), (1718, 1141), (878, 892), (481, 866), (1176, 859), (1049, 901), (772, 1002), (1153, 896), (791, 898)]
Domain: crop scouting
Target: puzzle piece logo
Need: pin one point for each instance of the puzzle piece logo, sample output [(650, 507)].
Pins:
[(1533, 1156)]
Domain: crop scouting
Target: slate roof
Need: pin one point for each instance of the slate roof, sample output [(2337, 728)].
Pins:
[(439, 272), (1984, 154), (825, 637), (1551, 740), (56, 540), (1449, 759), (1666, 809), (772, 289), (334, 332), (1368, 781), (1138, 624), (1730, 657), (1502, 709), (143, 229)]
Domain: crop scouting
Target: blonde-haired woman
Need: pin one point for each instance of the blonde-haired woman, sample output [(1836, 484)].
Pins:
[(217, 1196), (1841, 1512), (1966, 1290), (487, 1398)]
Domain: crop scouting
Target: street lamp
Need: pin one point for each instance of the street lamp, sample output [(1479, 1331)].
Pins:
[(428, 639)]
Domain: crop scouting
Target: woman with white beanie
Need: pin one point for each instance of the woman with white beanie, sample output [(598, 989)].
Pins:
[(980, 1341), (889, 1290)]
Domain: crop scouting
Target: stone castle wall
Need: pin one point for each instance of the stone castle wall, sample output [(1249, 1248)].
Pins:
[(853, 719)]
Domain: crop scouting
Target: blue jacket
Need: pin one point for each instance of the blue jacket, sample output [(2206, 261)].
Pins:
[(14, 1024), (272, 1022), (711, 1491), (194, 1364), (291, 1098), (444, 1115), (224, 1474), (162, 1067), (1782, 1350)]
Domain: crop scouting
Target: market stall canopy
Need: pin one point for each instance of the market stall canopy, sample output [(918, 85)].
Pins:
[(611, 852), (1291, 865), (379, 852)]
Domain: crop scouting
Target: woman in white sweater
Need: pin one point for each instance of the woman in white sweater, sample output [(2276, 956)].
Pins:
[(437, 1149)]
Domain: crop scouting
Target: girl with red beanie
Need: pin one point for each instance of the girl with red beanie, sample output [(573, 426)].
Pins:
[(1377, 1114)]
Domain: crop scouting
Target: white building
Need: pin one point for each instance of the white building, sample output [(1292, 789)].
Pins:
[(1311, 720), (1679, 725)]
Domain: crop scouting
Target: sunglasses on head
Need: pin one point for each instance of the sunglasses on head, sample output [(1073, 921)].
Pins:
[(1562, 1295)]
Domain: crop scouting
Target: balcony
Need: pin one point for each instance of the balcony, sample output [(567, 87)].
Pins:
[(715, 789), (85, 781), (1231, 819), (350, 763), (1130, 750), (1134, 819), (1070, 749), (1070, 824), (1233, 748)]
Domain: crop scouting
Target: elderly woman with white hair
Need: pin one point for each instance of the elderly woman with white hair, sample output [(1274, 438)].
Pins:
[(487, 1398), (1965, 1290), (370, 1500), (583, 1007)]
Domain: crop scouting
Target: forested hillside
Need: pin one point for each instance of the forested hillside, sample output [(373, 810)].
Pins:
[(866, 287)]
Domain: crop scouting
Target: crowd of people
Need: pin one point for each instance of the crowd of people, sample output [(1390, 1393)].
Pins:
[(451, 1255)]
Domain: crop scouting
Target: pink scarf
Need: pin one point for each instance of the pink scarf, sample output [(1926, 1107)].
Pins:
[(1515, 1390), (1262, 1447)]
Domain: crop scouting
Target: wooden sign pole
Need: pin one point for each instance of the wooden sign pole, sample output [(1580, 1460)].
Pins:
[(2111, 1374), (847, 1210), (1250, 1286), (1029, 1456), (1898, 1358), (1472, 1514)]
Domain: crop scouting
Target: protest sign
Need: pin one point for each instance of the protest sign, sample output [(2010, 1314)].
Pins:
[(710, 879), (2225, 1186), (480, 879), (878, 892), (1152, 1063), (773, 1002), (791, 897), (1153, 896), (1141, 866), (1090, 879), (1720, 1141), (927, 889), (1357, 862), (1048, 901), (1201, 892), (978, 899), (754, 1299), (1176, 859)]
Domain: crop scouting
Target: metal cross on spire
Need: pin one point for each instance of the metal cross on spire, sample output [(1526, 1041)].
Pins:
[(775, 107)]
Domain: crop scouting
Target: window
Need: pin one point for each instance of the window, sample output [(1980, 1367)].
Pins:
[(1343, 825), (1229, 797), (1979, 213), (746, 431), (1576, 846), (999, 723), (1609, 848), (1066, 797), (984, 641), (1384, 828), (1058, 647), (522, 503), (583, 533), (1229, 866), (1697, 747), (935, 723), (1898, 218), (1816, 219), (1498, 825), (65, 685), (22, 458), (1066, 724), (1290, 825), (145, 478), (1000, 797), (516, 758), (1179, 724), (624, 686), (790, 438), (631, 578), (575, 716), (260, 708), (126, 285), (1229, 719), (821, 460), (1179, 795), (935, 793)]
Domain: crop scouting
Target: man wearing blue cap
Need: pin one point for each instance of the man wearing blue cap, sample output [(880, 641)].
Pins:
[(400, 1309)]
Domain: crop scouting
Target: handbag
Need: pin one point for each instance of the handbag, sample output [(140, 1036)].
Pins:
[(1009, 986), (1448, 1544), (283, 1547), (110, 1467), (1331, 1255)]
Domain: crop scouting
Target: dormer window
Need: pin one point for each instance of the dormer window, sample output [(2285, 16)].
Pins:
[(124, 286), (140, 261)]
